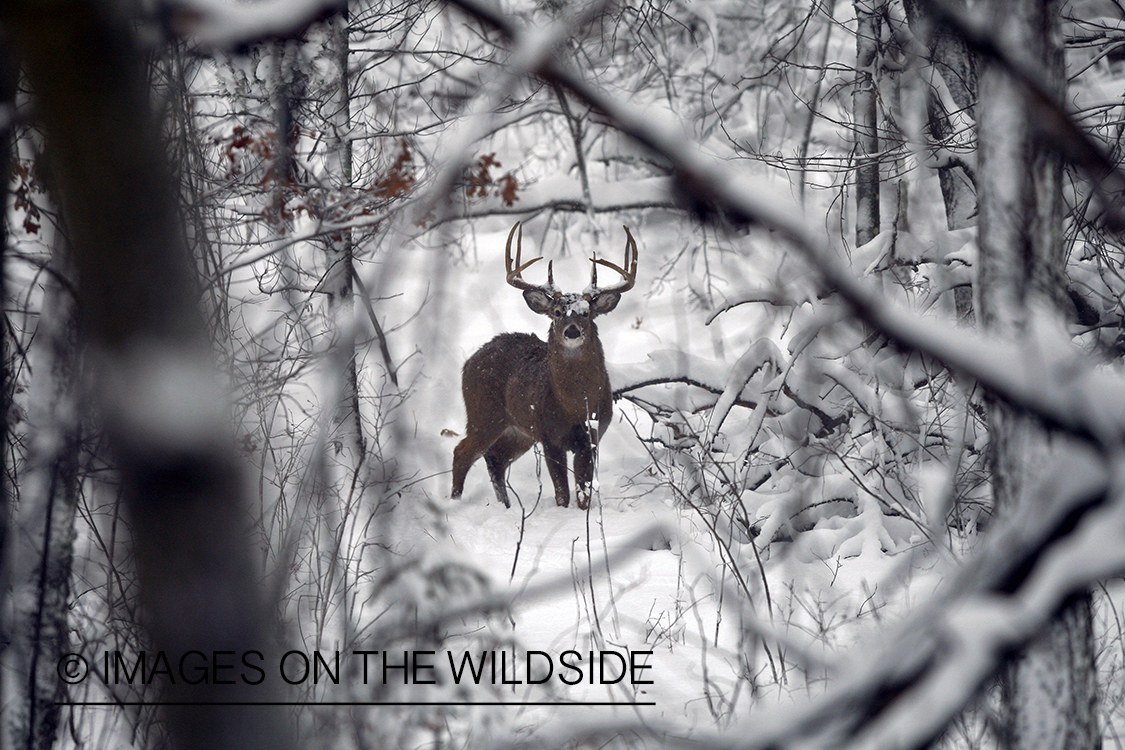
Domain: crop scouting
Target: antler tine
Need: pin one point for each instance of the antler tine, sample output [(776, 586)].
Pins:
[(628, 272), (514, 277)]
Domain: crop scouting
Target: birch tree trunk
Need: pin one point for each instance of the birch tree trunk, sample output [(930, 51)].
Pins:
[(1048, 692)]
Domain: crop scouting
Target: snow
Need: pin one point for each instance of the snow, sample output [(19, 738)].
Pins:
[(576, 304), (651, 597)]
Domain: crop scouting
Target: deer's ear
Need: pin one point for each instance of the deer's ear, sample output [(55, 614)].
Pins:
[(604, 302), (538, 300)]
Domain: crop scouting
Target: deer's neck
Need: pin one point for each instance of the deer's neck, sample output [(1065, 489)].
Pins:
[(578, 377)]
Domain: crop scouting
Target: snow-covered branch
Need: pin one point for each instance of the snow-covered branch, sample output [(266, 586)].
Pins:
[(563, 193), (218, 25), (667, 367)]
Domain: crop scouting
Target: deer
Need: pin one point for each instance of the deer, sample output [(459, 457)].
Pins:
[(520, 390)]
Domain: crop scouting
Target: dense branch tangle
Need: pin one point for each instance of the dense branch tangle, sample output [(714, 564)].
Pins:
[(879, 702)]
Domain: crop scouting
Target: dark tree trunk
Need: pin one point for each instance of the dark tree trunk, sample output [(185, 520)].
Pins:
[(155, 386), (1049, 692), (956, 64)]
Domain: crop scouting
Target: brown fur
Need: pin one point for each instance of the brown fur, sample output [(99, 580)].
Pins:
[(520, 390)]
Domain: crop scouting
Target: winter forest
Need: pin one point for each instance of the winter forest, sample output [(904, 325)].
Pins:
[(857, 268)]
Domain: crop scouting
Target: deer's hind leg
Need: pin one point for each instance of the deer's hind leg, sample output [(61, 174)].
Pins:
[(511, 444), (475, 444)]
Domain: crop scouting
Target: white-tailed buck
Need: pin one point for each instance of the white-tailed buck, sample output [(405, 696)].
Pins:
[(520, 390)]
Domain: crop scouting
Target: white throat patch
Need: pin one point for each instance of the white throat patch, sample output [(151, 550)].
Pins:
[(572, 344)]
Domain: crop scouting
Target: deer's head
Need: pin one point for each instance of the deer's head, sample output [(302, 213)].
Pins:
[(572, 314)]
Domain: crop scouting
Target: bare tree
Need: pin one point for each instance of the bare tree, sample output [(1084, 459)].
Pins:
[(157, 397)]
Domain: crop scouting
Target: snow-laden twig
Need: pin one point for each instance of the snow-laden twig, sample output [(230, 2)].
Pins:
[(764, 296), (761, 353), (564, 193), (668, 366)]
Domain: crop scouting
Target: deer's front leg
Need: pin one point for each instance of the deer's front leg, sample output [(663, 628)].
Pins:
[(584, 453), (556, 467)]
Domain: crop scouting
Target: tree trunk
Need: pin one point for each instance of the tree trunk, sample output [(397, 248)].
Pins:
[(814, 99), (9, 77), (866, 105), (156, 388), (955, 63), (347, 447), (348, 440), (1049, 695)]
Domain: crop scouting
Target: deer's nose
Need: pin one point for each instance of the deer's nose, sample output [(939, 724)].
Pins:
[(572, 332)]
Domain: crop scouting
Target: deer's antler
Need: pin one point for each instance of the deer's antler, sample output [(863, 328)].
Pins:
[(628, 269), (514, 271)]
